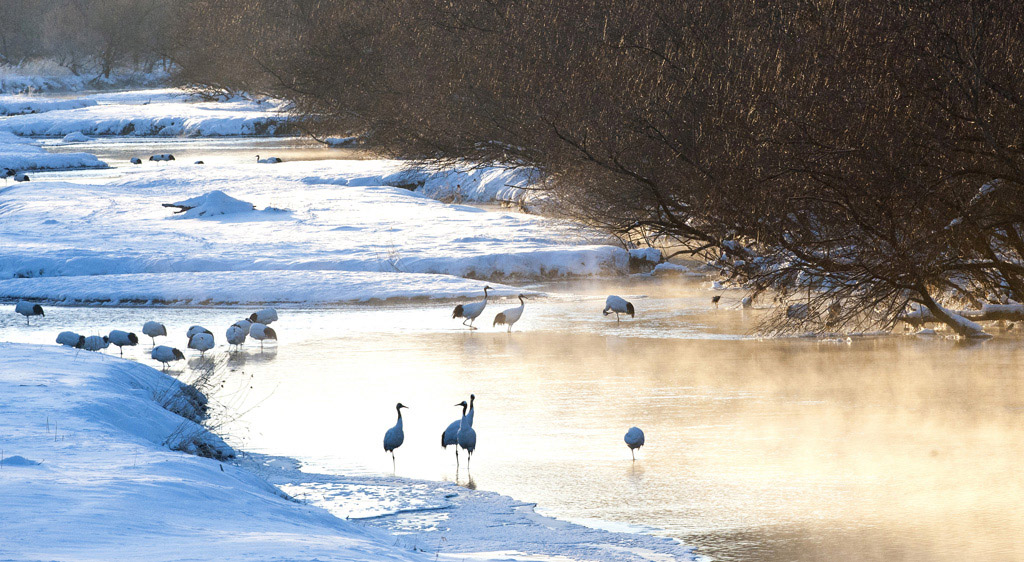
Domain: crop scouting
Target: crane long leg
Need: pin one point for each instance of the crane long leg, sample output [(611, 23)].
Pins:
[(633, 452)]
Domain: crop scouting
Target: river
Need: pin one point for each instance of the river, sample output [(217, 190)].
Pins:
[(875, 448)]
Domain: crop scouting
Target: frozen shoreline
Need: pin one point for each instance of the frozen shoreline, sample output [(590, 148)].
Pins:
[(86, 446)]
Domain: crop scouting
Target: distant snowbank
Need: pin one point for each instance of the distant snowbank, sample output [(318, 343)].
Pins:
[(48, 76), (21, 104), (164, 112), (25, 155), (244, 287), (94, 478)]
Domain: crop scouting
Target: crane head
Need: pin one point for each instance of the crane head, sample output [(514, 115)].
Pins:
[(399, 406)]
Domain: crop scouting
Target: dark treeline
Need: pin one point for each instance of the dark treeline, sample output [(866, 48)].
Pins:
[(90, 36), (855, 157)]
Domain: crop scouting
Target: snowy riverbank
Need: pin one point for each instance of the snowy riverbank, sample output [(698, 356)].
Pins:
[(88, 474), (167, 112), (25, 155), (306, 232)]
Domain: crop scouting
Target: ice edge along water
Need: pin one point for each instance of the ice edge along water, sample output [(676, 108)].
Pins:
[(91, 434)]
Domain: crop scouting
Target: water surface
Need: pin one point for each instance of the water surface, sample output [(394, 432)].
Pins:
[(885, 448)]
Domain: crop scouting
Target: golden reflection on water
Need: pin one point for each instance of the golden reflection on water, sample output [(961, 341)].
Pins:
[(886, 448), (890, 448)]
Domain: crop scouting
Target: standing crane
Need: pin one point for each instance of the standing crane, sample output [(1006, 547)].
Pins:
[(511, 315), (472, 310), (394, 437)]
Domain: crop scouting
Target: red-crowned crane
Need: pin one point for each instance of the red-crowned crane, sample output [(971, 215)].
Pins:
[(28, 310), (634, 439), (511, 315), (618, 305), (394, 437), (472, 310)]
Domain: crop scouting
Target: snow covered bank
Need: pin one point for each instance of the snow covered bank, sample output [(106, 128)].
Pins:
[(25, 155), (448, 519), (48, 76), (94, 480), (166, 112), (244, 287), (459, 184), (20, 105), (64, 229)]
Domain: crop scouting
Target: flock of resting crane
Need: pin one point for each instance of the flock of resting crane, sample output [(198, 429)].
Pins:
[(459, 433)]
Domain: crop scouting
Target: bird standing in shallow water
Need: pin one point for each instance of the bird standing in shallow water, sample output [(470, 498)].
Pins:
[(467, 435), (634, 439), (715, 299), (201, 342), (472, 310), (154, 329), (262, 332), (450, 436), (28, 309), (165, 354), (394, 437), (236, 335), (121, 338), (618, 305), (510, 316)]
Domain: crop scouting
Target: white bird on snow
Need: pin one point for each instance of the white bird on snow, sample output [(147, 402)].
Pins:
[(265, 316), (618, 305), (71, 339), (262, 332), (28, 309), (472, 310), (154, 329), (96, 343), (634, 439), (510, 316), (268, 160), (121, 338), (201, 342), (394, 437), (193, 330), (161, 158), (236, 334), (135, 160), (166, 354)]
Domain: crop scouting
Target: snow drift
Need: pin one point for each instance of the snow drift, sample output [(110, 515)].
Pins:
[(25, 155)]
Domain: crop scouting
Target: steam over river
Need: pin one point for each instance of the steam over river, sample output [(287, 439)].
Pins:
[(878, 448)]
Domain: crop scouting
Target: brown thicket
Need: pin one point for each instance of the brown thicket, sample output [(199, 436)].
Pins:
[(853, 156)]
